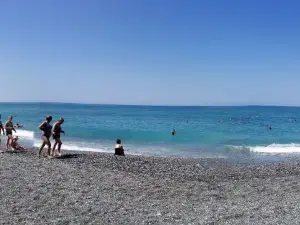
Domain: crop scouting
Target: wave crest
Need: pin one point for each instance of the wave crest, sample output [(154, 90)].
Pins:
[(271, 149), (277, 148), (79, 147), (25, 134)]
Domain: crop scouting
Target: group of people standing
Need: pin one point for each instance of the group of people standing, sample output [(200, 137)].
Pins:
[(48, 131), (55, 131)]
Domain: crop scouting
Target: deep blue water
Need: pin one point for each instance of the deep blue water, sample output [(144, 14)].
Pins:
[(201, 131)]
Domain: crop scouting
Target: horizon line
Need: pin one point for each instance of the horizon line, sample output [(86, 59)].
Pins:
[(151, 105)]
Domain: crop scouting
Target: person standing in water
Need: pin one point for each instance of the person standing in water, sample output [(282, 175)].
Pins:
[(173, 132), (46, 128), (9, 128), (56, 131), (1, 129)]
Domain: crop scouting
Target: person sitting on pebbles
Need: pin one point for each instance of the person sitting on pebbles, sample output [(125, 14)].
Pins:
[(119, 150), (15, 145)]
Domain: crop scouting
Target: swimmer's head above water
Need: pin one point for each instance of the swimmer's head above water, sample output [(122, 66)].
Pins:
[(268, 127)]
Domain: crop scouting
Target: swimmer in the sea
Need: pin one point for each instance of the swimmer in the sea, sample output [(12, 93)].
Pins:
[(46, 128), (173, 132), (268, 127), (18, 126), (9, 128), (56, 131)]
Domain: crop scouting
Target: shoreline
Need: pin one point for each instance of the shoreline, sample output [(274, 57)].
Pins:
[(100, 188)]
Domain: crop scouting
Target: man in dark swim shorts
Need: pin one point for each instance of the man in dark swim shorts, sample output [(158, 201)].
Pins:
[(9, 127), (56, 131)]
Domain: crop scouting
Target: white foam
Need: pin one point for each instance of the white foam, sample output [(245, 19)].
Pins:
[(79, 147), (25, 134), (277, 148), (85, 148)]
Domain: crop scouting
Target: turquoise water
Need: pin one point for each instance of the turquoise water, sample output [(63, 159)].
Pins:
[(201, 131)]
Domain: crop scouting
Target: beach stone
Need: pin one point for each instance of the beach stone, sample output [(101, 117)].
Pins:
[(98, 188)]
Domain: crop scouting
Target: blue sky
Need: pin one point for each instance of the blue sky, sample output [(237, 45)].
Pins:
[(166, 52)]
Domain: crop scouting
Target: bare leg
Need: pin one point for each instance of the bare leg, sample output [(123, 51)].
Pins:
[(7, 142), (41, 148), (46, 141), (59, 146), (20, 147), (50, 153), (54, 146)]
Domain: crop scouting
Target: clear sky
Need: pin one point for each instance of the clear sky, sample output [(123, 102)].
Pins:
[(167, 52)]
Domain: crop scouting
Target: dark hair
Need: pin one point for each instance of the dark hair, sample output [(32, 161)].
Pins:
[(118, 141), (49, 118)]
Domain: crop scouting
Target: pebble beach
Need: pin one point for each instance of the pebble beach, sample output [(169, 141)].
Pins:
[(100, 188)]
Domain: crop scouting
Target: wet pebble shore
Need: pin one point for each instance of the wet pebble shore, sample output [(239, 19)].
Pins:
[(98, 188)]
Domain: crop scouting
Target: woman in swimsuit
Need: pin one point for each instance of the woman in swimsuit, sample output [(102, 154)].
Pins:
[(46, 128)]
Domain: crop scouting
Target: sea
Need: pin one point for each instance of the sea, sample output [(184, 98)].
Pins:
[(238, 134)]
